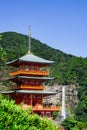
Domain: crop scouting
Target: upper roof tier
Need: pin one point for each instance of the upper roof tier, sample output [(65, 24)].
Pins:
[(29, 58)]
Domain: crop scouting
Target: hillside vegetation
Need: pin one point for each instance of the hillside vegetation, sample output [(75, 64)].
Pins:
[(67, 69)]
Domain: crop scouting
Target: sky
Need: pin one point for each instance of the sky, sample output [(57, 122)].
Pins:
[(61, 24)]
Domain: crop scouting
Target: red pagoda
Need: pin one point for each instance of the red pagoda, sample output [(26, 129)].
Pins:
[(30, 77)]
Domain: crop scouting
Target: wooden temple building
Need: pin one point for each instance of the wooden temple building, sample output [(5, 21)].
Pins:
[(30, 76)]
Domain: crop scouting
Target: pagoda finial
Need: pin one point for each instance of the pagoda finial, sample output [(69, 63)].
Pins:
[(29, 40)]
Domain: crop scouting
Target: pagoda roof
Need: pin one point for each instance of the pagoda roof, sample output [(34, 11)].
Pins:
[(29, 58), (27, 77), (30, 92), (7, 92), (35, 92)]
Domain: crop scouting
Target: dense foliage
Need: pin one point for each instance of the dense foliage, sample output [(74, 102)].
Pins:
[(70, 123), (2, 55), (67, 69), (2, 62), (81, 110), (13, 117)]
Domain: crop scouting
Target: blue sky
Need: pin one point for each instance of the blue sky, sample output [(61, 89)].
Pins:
[(61, 24)]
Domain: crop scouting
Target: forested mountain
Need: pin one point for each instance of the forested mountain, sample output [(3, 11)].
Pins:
[(67, 69)]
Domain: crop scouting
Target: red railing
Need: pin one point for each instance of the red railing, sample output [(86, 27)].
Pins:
[(31, 87), (28, 72), (52, 108), (37, 108)]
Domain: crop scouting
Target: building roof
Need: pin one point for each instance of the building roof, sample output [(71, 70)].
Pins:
[(30, 92), (7, 92), (35, 92), (29, 58), (27, 77)]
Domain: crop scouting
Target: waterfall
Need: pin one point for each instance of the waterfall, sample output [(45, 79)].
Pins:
[(63, 113)]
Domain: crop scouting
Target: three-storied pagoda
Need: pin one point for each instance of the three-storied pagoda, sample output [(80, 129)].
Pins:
[(30, 78)]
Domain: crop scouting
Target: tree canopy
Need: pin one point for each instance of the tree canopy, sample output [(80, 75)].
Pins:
[(13, 117)]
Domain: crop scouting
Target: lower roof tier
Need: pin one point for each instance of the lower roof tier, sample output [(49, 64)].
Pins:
[(30, 92), (18, 77)]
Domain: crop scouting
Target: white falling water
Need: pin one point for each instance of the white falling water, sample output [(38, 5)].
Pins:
[(63, 112)]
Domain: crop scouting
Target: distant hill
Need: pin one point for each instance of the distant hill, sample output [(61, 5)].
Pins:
[(67, 69)]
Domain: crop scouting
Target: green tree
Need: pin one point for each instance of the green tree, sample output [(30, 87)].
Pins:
[(13, 117), (2, 56), (0, 37), (2, 63), (81, 110), (69, 123), (81, 125), (55, 115)]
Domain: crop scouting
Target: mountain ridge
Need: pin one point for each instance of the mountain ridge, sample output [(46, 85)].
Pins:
[(66, 69)]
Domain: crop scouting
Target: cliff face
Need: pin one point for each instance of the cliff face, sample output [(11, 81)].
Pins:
[(71, 96)]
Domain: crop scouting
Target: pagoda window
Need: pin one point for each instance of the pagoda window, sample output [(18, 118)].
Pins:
[(31, 67), (31, 82), (38, 96), (33, 103), (25, 96), (48, 114), (37, 68), (26, 82), (36, 82), (42, 114), (29, 96), (43, 68), (26, 68), (34, 96), (39, 104), (25, 101), (20, 67)]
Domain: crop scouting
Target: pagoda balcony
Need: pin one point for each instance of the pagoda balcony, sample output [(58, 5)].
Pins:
[(31, 87), (45, 108), (42, 108), (30, 72)]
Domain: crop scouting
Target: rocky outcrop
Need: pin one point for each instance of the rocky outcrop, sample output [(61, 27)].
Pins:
[(71, 96)]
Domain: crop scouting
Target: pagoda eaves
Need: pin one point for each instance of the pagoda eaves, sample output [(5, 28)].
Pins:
[(30, 58), (27, 77)]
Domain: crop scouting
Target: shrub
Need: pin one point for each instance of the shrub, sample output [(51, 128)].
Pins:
[(13, 117)]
